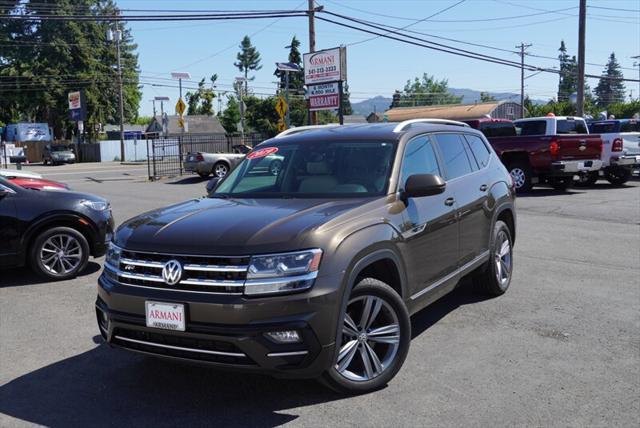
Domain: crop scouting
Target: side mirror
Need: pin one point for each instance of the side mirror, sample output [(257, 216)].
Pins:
[(211, 185), (419, 185)]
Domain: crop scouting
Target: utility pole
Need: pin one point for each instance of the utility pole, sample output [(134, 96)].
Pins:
[(582, 23), (154, 107), (116, 35), (522, 48), (312, 48), (637, 64)]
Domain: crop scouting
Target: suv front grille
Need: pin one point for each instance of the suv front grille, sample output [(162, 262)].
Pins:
[(210, 274)]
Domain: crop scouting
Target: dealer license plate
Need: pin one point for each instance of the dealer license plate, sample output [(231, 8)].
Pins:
[(167, 316)]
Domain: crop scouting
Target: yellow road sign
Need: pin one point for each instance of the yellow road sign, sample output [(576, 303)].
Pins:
[(281, 107), (282, 126), (180, 107), (181, 122)]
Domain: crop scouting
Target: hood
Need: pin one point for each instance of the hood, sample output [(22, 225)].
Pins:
[(231, 226)]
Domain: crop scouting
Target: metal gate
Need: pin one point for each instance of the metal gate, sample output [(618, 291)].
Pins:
[(165, 155)]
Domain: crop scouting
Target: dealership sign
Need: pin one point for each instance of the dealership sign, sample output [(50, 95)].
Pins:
[(324, 97), (328, 65)]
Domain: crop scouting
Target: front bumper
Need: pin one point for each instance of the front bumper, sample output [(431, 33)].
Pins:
[(625, 160), (575, 166), (227, 331)]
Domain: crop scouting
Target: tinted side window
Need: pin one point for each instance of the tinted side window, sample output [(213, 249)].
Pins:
[(531, 127), (479, 149), (498, 129), (570, 126), (456, 161), (631, 126), (419, 158)]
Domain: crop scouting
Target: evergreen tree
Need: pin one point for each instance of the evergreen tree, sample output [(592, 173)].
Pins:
[(610, 89), (296, 80), (346, 102), (248, 60), (231, 115), (568, 77)]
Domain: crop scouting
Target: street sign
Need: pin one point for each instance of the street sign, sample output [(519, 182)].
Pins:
[(282, 126), (329, 65), (181, 122), (180, 107), (324, 97), (77, 106), (281, 107)]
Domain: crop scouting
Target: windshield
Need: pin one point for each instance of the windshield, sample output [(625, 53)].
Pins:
[(59, 149), (312, 170)]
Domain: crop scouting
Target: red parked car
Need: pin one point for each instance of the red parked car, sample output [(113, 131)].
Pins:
[(38, 183)]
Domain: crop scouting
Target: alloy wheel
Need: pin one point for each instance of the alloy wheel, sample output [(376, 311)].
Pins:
[(519, 177), (370, 345), (220, 170), (61, 254), (502, 258)]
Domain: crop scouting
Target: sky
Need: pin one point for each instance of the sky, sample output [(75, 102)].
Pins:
[(380, 66)]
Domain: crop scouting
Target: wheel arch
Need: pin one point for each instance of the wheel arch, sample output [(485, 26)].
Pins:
[(506, 213), (74, 221)]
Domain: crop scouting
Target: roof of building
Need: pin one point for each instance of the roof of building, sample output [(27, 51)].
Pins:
[(197, 124), (451, 111), (354, 118)]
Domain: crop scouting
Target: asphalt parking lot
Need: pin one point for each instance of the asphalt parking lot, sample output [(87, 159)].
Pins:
[(560, 348)]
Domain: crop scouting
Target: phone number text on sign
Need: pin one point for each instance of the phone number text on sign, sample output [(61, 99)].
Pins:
[(324, 66)]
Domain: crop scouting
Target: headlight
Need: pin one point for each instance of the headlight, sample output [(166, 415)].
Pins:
[(281, 273), (113, 255), (96, 205)]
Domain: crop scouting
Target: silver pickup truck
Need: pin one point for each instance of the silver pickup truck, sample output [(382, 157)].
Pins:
[(219, 164)]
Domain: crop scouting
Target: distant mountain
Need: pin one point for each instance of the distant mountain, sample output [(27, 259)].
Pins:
[(469, 96)]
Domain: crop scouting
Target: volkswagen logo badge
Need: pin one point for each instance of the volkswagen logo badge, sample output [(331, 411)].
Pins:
[(172, 272)]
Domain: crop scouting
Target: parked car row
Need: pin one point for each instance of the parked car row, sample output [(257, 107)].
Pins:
[(555, 149)]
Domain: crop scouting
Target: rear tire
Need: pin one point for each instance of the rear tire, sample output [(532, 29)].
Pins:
[(373, 341), (494, 277), (562, 184), (588, 179), (521, 175), (617, 176), (220, 169), (59, 253)]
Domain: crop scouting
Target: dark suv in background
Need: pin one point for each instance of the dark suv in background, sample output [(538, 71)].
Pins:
[(314, 271)]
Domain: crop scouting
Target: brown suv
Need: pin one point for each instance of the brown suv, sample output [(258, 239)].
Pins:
[(315, 271)]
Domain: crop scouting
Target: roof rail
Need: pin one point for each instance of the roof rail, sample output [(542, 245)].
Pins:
[(405, 124), (298, 129)]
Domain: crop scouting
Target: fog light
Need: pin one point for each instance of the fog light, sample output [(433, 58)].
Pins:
[(287, 336)]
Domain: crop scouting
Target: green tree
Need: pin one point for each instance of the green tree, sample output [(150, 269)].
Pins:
[(231, 115), (424, 92), (200, 101), (45, 60), (610, 88), (248, 60), (346, 101), (568, 76), (486, 97), (296, 79)]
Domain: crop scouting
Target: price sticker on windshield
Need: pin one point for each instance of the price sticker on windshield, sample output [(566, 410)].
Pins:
[(262, 153)]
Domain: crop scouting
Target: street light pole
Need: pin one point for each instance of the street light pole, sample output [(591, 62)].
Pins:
[(116, 35)]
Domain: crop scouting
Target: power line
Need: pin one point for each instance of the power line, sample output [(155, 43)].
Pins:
[(614, 8), (414, 23)]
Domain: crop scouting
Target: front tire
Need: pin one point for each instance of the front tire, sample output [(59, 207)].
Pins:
[(59, 253), (617, 176), (373, 341), (494, 277)]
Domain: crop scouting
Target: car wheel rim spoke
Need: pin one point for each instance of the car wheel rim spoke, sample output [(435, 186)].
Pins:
[(61, 254), (503, 258), (376, 338)]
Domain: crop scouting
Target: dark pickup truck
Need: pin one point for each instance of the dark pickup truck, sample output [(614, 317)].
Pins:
[(544, 150)]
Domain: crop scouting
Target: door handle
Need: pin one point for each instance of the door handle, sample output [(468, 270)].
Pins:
[(484, 188), (449, 201)]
